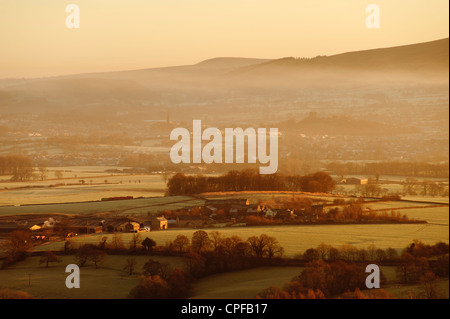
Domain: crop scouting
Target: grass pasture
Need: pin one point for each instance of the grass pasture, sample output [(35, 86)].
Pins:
[(297, 239), (97, 185), (129, 207), (255, 196), (109, 281), (244, 284)]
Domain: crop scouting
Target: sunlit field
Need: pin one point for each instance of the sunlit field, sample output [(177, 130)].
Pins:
[(79, 184), (248, 283), (297, 239), (111, 281), (126, 207)]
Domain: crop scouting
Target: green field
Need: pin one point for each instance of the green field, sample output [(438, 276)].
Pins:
[(70, 189), (128, 207), (109, 281), (246, 284), (297, 239)]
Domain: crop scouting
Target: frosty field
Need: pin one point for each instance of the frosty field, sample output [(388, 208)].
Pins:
[(297, 239)]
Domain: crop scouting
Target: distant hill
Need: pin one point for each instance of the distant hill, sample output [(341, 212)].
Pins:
[(423, 57), (210, 67), (229, 63), (216, 78)]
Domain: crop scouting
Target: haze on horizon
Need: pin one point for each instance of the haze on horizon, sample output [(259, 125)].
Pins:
[(136, 34)]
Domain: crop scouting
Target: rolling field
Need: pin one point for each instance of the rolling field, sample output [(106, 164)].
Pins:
[(109, 281), (129, 207), (297, 239), (97, 185), (245, 284), (256, 196)]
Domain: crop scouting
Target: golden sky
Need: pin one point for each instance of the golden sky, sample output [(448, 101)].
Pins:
[(135, 34)]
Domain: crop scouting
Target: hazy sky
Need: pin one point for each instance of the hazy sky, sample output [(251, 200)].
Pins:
[(134, 34)]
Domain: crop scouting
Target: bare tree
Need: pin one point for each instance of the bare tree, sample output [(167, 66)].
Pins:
[(48, 257), (200, 241), (134, 241), (130, 263), (181, 243), (59, 174), (42, 172), (265, 246)]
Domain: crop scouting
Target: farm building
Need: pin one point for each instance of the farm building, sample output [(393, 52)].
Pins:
[(254, 209), (85, 229), (84, 226), (122, 225), (158, 223), (270, 213), (35, 227), (236, 210), (354, 181), (285, 213), (49, 223), (130, 227), (190, 221), (234, 206)]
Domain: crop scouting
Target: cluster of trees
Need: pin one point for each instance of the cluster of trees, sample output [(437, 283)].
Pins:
[(419, 261), (356, 212), (349, 253), (321, 280), (412, 186), (115, 246), (350, 212), (212, 253), (249, 180), (7, 293), (330, 272), (153, 285), (16, 247), (20, 167), (395, 168), (340, 272), (203, 254)]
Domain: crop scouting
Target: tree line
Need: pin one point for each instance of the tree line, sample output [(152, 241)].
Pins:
[(329, 272), (249, 180), (394, 168), (340, 272), (204, 254), (20, 167)]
